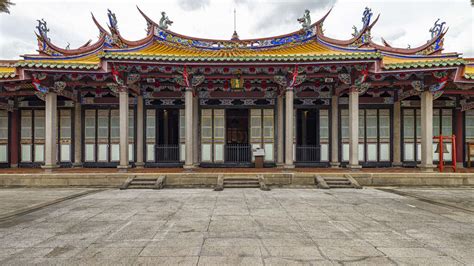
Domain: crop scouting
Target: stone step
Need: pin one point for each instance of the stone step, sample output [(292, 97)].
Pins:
[(338, 182), (341, 186), (241, 186), (139, 187), (335, 179), (145, 179), (143, 183), (240, 181)]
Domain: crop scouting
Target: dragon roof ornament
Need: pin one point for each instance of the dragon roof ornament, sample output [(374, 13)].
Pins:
[(42, 28), (437, 29), (165, 22), (305, 20), (112, 20)]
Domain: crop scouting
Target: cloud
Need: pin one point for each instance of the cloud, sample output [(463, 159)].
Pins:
[(286, 12), (190, 5), (395, 35)]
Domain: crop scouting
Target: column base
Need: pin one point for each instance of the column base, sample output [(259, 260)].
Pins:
[(280, 165), (189, 166), (139, 165), (77, 165), (123, 168), (427, 167), (335, 164), (459, 164), (49, 168), (354, 166), (289, 166), (14, 165), (397, 164)]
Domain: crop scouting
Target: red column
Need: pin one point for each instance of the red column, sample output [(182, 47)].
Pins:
[(14, 135), (459, 132)]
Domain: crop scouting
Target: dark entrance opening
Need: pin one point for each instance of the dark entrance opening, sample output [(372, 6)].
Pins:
[(307, 135), (237, 148), (167, 148)]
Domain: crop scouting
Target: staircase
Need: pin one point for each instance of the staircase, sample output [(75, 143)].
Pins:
[(144, 182), (240, 182), (345, 181)]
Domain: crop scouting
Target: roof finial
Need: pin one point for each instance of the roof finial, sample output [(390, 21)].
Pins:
[(235, 36), (305, 20), (164, 21)]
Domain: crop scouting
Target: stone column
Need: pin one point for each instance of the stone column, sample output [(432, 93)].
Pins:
[(427, 131), (280, 125), (123, 109), (140, 132), (188, 117), (335, 131), (354, 129), (196, 131), (77, 135), (50, 154), (14, 138), (289, 128), (397, 138)]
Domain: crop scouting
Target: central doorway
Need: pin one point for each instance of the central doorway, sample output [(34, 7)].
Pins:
[(237, 147), (307, 135)]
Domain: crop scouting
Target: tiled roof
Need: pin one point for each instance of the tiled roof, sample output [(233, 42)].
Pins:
[(310, 50)]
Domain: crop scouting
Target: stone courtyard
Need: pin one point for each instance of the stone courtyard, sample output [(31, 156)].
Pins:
[(428, 226)]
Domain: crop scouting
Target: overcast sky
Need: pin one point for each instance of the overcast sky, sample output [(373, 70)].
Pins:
[(401, 23)]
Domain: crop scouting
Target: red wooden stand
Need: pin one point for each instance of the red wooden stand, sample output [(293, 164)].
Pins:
[(441, 160)]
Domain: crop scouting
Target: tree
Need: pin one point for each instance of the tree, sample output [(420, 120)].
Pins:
[(5, 6)]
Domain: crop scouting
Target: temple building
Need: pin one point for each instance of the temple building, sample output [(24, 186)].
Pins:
[(170, 100)]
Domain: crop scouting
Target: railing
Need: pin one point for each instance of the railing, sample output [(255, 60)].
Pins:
[(238, 153), (167, 153), (307, 153)]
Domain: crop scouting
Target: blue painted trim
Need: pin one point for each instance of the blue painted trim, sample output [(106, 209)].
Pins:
[(62, 58), (356, 50), (124, 50)]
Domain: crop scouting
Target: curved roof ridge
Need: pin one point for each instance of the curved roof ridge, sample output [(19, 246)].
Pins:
[(416, 50)]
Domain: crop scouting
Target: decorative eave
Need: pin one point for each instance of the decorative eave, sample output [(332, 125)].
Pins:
[(58, 65), (469, 71), (262, 58), (425, 64)]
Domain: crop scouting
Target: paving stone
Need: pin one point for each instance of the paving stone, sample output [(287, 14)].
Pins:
[(241, 226)]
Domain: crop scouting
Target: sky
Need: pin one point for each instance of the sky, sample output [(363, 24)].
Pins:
[(401, 23)]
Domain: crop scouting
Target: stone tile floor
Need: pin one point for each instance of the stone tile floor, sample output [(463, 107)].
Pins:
[(243, 226)]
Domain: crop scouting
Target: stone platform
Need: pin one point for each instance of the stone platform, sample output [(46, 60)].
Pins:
[(207, 177)]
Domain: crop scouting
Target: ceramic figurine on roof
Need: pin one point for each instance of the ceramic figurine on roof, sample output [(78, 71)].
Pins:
[(43, 28), (112, 20), (367, 15), (305, 20), (165, 21), (437, 29)]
